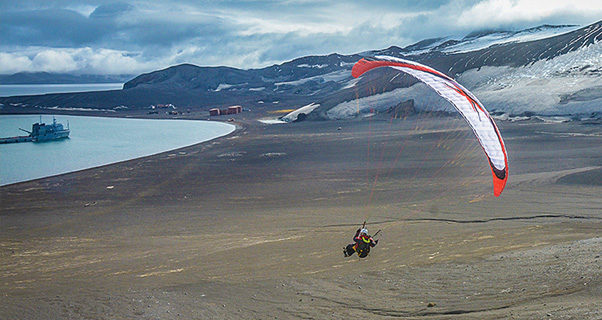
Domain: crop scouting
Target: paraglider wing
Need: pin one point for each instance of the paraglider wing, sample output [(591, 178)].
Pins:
[(463, 100)]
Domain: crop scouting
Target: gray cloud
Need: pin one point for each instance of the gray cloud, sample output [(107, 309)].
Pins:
[(111, 10), (145, 35), (48, 27)]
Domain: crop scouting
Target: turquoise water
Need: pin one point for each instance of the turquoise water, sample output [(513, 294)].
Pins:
[(7, 90), (93, 142)]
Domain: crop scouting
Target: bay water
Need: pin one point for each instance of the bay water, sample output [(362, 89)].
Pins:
[(93, 142)]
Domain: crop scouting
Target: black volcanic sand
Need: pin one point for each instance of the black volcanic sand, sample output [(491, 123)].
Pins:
[(252, 225)]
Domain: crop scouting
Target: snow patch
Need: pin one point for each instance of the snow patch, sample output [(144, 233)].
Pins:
[(272, 121), (223, 86), (560, 86), (76, 109), (305, 110), (273, 154), (234, 154), (351, 83), (425, 99), (319, 66), (332, 76)]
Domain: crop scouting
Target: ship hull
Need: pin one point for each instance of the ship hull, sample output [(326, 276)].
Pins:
[(54, 136), (16, 139)]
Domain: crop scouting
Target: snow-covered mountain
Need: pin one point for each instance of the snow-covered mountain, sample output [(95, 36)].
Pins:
[(547, 70), (484, 39)]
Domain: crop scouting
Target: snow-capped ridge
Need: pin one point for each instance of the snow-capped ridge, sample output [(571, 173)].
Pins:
[(478, 40)]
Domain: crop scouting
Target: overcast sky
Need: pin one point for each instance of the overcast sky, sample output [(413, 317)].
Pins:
[(130, 37)]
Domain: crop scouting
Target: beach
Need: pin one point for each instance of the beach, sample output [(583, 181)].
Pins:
[(252, 225)]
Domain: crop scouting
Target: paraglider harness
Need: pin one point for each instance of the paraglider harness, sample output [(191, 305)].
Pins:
[(363, 247), (363, 242)]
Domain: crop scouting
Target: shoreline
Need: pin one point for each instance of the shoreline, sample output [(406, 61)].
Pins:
[(234, 128)]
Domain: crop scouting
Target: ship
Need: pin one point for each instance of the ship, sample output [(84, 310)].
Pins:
[(41, 132)]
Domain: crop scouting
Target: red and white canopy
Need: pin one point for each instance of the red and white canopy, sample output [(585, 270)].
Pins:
[(463, 100)]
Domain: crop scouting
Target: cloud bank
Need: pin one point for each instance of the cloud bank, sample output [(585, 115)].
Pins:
[(139, 36)]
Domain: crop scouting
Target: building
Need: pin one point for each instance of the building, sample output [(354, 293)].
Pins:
[(234, 109), (229, 110)]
